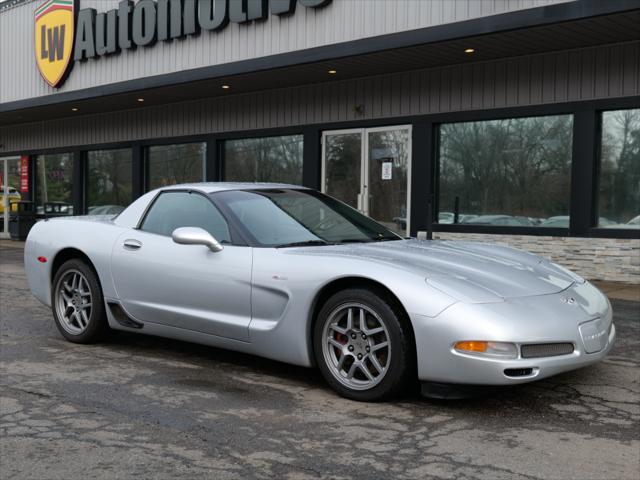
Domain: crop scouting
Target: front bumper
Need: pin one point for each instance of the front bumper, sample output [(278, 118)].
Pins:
[(530, 320)]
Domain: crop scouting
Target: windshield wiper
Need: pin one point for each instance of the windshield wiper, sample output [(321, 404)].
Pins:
[(306, 243), (356, 240), (367, 240)]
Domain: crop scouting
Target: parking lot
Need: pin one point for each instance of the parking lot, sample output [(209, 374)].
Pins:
[(142, 407)]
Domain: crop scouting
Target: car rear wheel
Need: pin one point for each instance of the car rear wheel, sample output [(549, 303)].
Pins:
[(362, 346), (77, 303)]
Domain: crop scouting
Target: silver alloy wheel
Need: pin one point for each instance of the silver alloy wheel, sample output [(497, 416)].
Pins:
[(73, 302), (356, 346)]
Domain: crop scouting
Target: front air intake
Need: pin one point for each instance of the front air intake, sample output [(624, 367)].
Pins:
[(518, 372), (539, 350)]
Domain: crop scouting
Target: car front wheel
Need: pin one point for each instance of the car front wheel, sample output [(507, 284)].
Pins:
[(363, 345)]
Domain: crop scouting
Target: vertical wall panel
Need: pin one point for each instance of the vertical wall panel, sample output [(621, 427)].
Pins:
[(631, 60), (584, 74), (548, 78), (562, 77)]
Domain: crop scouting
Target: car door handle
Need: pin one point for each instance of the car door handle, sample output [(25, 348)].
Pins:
[(131, 244)]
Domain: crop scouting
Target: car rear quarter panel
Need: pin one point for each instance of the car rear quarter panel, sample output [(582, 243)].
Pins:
[(47, 239)]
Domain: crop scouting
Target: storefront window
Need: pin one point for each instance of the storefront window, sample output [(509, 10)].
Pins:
[(513, 172), (619, 196), (9, 183), (54, 177), (269, 159), (172, 164), (10, 194), (109, 181)]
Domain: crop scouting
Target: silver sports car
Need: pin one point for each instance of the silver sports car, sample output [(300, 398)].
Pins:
[(291, 274)]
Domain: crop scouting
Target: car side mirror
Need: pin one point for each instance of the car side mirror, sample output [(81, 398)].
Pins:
[(195, 236)]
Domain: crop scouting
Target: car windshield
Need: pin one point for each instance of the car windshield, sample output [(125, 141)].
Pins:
[(290, 217)]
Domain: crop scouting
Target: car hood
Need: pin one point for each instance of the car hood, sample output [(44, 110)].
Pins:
[(468, 271)]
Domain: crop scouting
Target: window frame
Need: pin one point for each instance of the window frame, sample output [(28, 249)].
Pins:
[(595, 230), (84, 172), (146, 157), (424, 145), (497, 229), (247, 135), (35, 176)]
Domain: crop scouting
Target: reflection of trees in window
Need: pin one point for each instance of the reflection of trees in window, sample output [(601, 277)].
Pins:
[(342, 169), (519, 167), (109, 177), (619, 199), (269, 159), (388, 198), (172, 164), (54, 178)]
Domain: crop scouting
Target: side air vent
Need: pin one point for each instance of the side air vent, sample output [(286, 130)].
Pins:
[(518, 372), (122, 318), (546, 350)]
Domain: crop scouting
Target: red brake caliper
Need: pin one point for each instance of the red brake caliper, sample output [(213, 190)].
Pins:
[(342, 339)]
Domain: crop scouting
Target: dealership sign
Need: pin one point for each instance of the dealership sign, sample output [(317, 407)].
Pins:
[(90, 34), (54, 24)]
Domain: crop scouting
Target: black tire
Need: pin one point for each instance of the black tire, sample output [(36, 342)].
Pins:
[(97, 326), (401, 364)]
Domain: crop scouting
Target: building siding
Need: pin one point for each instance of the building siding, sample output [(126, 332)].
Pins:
[(342, 21), (583, 74)]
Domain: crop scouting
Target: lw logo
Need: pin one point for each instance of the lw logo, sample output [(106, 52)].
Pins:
[(55, 25)]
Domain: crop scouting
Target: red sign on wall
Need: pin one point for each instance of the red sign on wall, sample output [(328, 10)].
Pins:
[(24, 173)]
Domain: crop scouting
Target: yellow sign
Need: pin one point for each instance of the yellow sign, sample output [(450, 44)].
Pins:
[(55, 25)]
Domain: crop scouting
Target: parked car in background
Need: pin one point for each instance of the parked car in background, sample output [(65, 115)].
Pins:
[(105, 210), (631, 224), (55, 209), (13, 196), (507, 220), (445, 217), (562, 221), (465, 217)]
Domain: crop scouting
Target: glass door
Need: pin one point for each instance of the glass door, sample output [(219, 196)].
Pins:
[(388, 181), (342, 166), (9, 190), (369, 169)]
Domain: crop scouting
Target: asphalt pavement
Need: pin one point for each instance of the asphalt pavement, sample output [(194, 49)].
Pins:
[(145, 408)]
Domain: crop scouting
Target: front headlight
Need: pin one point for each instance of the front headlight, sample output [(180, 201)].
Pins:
[(488, 349)]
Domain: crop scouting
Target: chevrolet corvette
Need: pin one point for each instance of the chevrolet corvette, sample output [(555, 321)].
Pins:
[(291, 274)]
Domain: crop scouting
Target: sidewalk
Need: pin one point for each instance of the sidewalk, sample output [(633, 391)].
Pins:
[(6, 243), (614, 290)]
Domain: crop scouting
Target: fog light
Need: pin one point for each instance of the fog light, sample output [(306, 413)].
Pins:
[(490, 349)]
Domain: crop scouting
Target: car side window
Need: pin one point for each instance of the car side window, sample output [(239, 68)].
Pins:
[(173, 210)]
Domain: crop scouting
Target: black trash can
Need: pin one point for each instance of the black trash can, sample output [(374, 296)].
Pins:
[(21, 220)]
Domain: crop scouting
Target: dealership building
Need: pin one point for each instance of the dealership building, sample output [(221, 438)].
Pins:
[(510, 121)]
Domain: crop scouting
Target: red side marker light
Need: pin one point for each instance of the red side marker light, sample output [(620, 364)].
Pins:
[(42, 259)]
